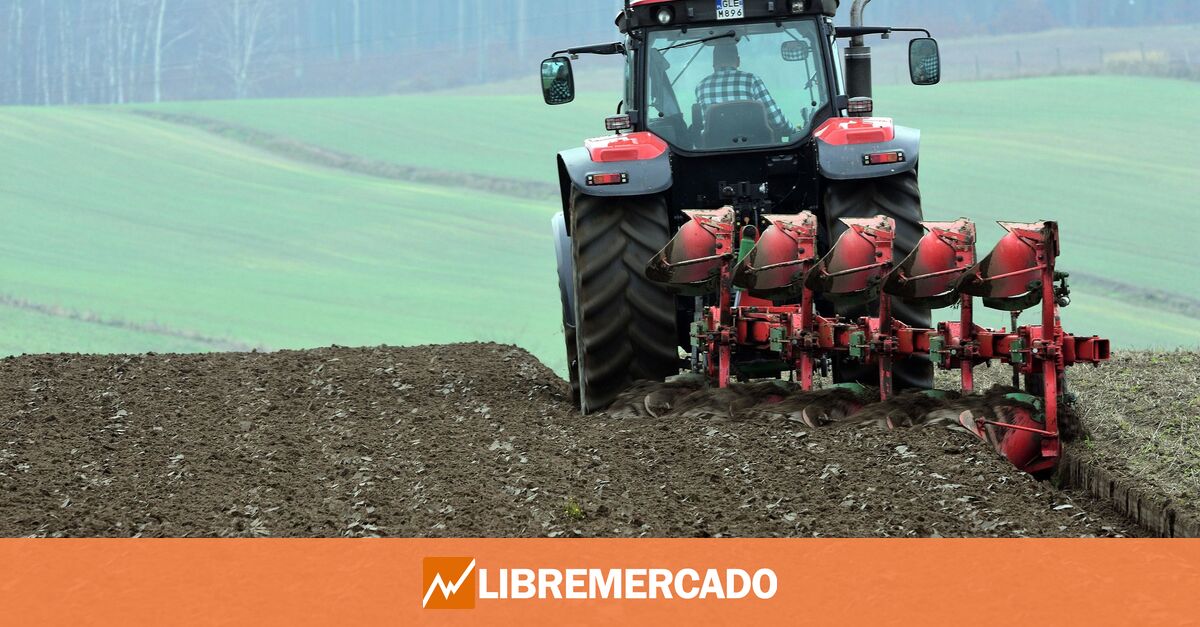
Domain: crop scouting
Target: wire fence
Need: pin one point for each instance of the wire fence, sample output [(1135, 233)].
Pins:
[(967, 61)]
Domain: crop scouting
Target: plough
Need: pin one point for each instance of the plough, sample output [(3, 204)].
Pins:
[(766, 320)]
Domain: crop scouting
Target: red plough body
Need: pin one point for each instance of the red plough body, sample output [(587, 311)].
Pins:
[(783, 267)]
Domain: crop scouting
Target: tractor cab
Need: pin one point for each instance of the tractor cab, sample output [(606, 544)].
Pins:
[(718, 75), (721, 75)]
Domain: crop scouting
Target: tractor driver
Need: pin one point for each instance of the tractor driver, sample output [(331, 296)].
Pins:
[(560, 89), (729, 84)]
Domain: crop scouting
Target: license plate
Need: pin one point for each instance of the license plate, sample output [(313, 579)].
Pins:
[(731, 9)]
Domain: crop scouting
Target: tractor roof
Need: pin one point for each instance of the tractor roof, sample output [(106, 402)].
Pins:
[(638, 3), (812, 4), (702, 11)]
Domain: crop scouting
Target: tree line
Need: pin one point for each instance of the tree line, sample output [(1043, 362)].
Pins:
[(117, 51), (972, 17)]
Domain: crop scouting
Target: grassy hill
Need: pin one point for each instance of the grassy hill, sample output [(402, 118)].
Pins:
[(160, 234), (123, 233), (1068, 148)]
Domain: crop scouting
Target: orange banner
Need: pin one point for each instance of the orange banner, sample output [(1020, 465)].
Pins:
[(578, 582)]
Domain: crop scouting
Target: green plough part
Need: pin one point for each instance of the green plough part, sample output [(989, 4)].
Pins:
[(859, 389), (1018, 356), (1031, 401), (937, 346), (778, 339), (858, 341)]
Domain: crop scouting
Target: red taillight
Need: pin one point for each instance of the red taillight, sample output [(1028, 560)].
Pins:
[(608, 179), (884, 158)]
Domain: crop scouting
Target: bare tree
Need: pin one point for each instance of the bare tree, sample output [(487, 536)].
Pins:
[(462, 26), (116, 78), (43, 56), (297, 41), (522, 28), (160, 24), (19, 65), (162, 44), (66, 46), (246, 30), (356, 5)]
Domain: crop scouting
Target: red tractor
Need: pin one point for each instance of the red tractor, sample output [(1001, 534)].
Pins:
[(749, 212), (737, 103)]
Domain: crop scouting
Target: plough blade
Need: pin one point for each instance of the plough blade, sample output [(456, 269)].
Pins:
[(691, 262), (776, 266), (930, 275), (1009, 278), (854, 268), (1017, 431), (746, 337)]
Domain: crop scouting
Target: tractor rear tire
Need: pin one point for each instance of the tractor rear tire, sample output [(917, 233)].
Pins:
[(625, 324), (898, 197)]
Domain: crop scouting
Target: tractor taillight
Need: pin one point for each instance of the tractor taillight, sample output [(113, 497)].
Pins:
[(797, 6), (618, 123), (608, 179), (884, 158)]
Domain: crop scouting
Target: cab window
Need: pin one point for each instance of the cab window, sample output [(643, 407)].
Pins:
[(735, 87)]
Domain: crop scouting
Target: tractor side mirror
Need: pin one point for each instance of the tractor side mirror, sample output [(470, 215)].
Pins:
[(794, 50), (924, 61), (558, 81)]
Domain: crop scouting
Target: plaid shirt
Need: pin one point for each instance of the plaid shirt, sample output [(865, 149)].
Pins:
[(733, 85), (560, 90)]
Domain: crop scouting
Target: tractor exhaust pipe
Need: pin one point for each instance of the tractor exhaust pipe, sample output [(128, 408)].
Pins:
[(858, 57)]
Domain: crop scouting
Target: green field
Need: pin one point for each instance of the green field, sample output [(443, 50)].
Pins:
[(166, 227), (1064, 148), (138, 220)]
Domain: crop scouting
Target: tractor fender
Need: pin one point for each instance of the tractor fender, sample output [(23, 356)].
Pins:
[(844, 143), (646, 176), (648, 172), (566, 266)]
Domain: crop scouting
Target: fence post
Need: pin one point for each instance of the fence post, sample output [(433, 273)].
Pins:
[(1142, 46), (978, 73), (1018, 63), (1058, 57)]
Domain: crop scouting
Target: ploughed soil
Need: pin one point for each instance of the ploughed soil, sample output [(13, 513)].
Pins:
[(1141, 413), (468, 440)]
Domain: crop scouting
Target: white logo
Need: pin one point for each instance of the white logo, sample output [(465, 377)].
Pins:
[(448, 589)]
